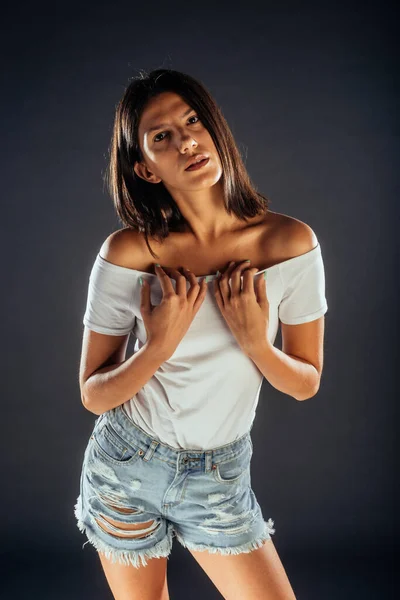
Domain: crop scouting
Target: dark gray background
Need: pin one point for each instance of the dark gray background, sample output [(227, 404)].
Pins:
[(310, 94)]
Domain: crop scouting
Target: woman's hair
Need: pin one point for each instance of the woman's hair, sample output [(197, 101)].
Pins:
[(149, 207)]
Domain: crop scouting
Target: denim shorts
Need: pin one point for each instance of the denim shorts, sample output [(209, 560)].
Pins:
[(203, 498)]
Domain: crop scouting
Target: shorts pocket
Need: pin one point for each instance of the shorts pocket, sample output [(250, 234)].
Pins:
[(112, 446), (232, 470)]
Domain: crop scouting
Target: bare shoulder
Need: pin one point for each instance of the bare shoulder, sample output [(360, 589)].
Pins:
[(294, 236), (125, 247)]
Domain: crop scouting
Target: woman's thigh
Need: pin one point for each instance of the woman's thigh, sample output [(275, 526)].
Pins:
[(256, 575), (137, 583)]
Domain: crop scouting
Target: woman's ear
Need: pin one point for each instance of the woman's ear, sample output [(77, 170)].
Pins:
[(142, 171)]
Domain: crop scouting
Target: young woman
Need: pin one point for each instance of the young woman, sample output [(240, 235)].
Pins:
[(170, 451)]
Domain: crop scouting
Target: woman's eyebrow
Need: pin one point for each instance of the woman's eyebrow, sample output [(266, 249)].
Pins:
[(154, 127)]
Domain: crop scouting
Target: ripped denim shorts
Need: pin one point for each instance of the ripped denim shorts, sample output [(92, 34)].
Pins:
[(136, 493)]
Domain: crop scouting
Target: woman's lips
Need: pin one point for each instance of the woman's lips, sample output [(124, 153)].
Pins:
[(198, 165)]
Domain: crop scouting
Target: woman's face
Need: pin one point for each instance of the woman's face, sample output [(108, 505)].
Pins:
[(170, 133)]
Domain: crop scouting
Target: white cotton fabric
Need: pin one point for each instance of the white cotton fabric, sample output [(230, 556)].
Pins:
[(205, 395)]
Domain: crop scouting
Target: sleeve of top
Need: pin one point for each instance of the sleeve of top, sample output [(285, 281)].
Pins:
[(109, 299), (303, 280)]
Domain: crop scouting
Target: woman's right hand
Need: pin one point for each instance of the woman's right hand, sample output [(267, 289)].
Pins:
[(167, 322)]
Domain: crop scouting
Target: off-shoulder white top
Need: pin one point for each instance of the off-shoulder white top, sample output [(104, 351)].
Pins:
[(205, 395)]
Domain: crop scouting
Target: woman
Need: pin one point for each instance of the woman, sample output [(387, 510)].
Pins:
[(170, 451)]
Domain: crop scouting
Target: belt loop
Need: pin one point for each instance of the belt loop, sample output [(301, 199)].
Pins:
[(151, 449), (208, 461)]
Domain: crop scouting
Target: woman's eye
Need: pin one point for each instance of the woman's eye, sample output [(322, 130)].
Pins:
[(155, 138), (167, 132)]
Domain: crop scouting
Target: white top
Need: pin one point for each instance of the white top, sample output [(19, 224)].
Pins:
[(205, 395)]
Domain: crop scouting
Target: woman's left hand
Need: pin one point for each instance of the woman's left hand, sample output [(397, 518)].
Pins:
[(246, 310)]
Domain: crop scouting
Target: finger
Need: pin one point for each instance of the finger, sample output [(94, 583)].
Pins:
[(179, 278), (217, 293), (248, 280), (236, 277), (202, 291), (224, 281), (195, 288), (231, 266), (145, 304), (261, 290), (165, 282)]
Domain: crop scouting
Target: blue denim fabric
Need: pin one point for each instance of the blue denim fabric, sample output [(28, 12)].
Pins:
[(204, 498)]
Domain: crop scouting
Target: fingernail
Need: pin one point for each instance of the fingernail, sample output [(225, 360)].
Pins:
[(247, 260), (158, 265), (217, 273), (141, 280), (265, 274)]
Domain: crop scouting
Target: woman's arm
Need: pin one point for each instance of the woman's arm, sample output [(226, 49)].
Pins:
[(289, 374), (115, 384)]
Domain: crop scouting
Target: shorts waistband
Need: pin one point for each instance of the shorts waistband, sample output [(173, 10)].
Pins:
[(134, 434)]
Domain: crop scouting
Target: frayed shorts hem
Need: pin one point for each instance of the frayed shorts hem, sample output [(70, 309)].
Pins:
[(163, 548), (243, 548)]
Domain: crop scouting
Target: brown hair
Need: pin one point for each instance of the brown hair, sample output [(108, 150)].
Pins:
[(150, 208)]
